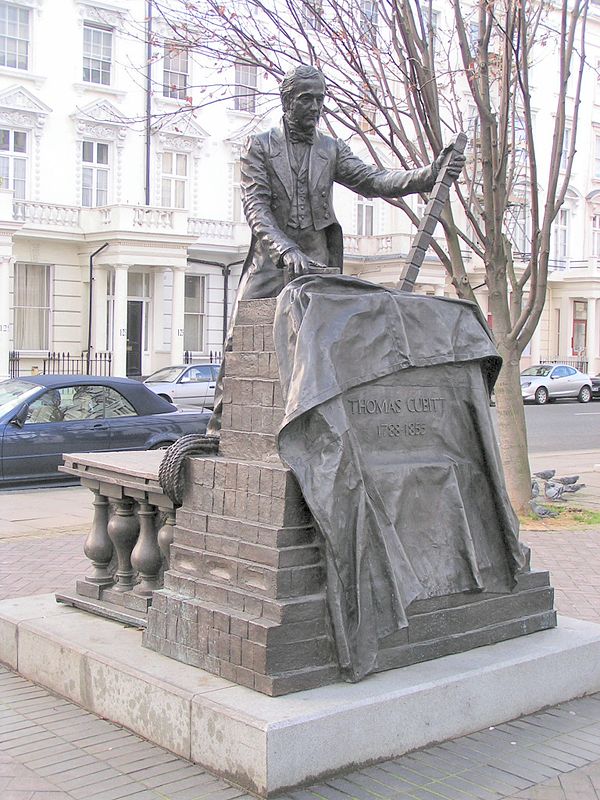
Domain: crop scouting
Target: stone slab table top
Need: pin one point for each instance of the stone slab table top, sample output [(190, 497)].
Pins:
[(132, 472)]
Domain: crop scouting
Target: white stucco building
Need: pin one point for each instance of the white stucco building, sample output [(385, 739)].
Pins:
[(151, 212)]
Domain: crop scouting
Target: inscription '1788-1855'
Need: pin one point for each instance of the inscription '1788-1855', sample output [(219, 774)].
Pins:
[(402, 407)]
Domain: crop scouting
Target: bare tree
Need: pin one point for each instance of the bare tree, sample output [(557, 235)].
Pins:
[(402, 80)]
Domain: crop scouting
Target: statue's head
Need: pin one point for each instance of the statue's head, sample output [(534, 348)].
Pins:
[(302, 93)]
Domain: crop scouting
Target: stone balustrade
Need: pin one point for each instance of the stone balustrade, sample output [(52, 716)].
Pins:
[(50, 214), (131, 533), (144, 217), (211, 228)]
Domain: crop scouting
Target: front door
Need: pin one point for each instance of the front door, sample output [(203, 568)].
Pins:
[(134, 337)]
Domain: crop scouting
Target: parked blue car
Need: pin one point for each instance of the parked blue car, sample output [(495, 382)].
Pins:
[(44, 416)]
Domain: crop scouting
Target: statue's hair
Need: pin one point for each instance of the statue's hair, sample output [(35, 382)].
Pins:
[(290, 80)]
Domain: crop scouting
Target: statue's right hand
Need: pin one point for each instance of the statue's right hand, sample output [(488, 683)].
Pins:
[(295, 262)]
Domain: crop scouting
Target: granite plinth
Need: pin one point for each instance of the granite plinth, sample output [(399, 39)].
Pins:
[(269, 744)]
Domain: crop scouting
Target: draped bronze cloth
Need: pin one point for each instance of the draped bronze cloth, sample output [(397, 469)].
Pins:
[(388, 430)]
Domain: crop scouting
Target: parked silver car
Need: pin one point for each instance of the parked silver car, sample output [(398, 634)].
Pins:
[(543, 383), (186, 385)]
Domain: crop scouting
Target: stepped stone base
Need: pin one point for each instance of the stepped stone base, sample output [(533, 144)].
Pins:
[(244, 597)]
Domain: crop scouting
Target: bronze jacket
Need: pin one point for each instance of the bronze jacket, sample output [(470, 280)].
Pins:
[(266, 182)]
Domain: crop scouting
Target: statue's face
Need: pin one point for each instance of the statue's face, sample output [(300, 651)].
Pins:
[(306, 103)]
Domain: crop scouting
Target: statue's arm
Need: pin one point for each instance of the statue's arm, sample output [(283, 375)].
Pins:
[(371, 181), (257, 199)]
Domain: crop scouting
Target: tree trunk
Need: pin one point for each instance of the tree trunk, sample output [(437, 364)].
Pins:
[(512, 431)]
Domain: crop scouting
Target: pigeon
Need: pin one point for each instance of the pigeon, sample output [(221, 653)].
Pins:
[(535, 488), (553, 491), (573, 487), (546, 474), (542, 511), (568, 480)]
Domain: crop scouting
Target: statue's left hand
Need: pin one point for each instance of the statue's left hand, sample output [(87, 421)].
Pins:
[(457, 162)]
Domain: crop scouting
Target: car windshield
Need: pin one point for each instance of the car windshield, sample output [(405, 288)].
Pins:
[(540, 371), (165, 375), (13, 392)]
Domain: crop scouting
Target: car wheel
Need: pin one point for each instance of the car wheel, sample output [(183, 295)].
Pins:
[(160, 446), (166, 397), (541, 396), (585, 394)]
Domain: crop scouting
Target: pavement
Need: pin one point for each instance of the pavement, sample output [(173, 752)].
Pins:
[(51, 749)]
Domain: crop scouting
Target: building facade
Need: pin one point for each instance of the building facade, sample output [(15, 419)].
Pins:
[(121, 230)]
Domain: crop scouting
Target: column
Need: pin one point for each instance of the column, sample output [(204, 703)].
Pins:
[(592, 336), (535, 348), (158, 301), (178, 315), (98, 546), (123, 529), (5, 263), (99, 310), (566, 329), (120, 323)]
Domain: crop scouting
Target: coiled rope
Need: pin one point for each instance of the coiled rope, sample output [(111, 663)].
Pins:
[(170, 471)]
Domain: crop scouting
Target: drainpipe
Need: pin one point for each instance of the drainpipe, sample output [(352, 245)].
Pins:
[(226, 272), (148, 96), (91, 278)]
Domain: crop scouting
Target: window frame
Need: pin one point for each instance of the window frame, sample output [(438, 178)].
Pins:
[(560, 235), (365, 216), (312, 12), (368, 20), (566, 143), (173, 51), (13, 156), (245, 87), (19, 9), (595, 228), (579, 327), (198, 315), (20, 307), (597, 155), (174, 180), (96, 168), (92, 57)]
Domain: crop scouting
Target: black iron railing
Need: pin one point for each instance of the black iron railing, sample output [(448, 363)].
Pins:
[(214, 357), (62, 364), (578, 363)]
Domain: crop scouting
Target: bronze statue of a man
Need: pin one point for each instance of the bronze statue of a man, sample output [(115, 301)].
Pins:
[(287, 188)]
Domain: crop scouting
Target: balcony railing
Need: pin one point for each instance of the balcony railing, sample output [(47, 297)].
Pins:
[(46, 214), (122, 217), (211, 228), (384, 245)]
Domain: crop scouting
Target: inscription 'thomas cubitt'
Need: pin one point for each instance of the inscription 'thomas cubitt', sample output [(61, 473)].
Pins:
[(419, 405)]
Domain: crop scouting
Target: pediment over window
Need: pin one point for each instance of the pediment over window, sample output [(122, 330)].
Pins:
[(180, 132), (593, 197), (19, 107), (572, 199), (100, 120), (108, 14)]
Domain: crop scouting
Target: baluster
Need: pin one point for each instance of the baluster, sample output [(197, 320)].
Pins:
[(123, 529), (165, 536), (146, 556), (98, 547)]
